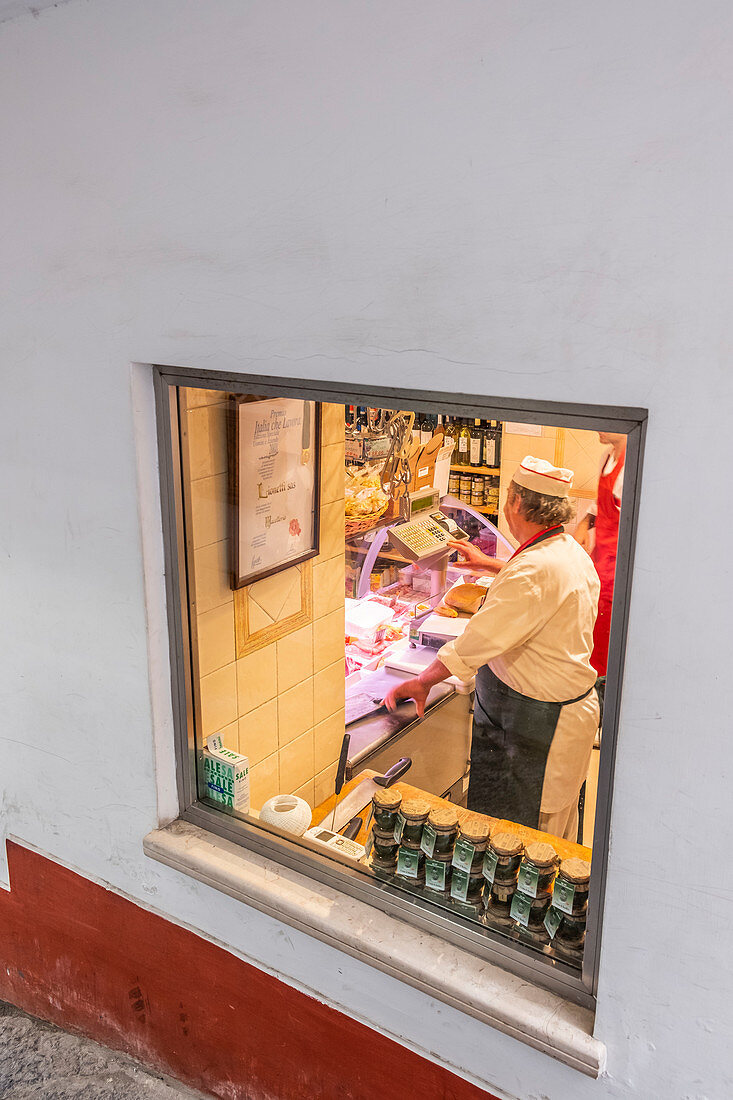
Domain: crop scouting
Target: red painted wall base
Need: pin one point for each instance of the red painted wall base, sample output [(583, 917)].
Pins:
[(90, 961)]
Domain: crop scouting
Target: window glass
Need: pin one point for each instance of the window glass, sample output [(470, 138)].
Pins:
[(340, 556)]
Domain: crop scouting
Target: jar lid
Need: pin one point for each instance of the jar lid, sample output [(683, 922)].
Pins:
[(475, 828), (415, 807), (443, 818), (507, 844), (575, 870), (387, 798), (541, 854)]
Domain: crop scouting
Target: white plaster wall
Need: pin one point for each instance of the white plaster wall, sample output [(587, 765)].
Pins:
[(530, 200)]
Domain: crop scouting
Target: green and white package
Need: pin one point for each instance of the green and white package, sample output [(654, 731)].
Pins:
[(226, 774)]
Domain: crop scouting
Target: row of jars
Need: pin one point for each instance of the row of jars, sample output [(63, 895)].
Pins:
[(517, 885), (476, 489)]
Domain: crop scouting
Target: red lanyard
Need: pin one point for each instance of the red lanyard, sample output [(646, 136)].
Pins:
[(539, 537)]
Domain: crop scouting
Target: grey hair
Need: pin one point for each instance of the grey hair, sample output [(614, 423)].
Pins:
[(542, 509)]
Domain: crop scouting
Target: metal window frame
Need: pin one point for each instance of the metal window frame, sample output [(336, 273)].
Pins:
[(485, 944)]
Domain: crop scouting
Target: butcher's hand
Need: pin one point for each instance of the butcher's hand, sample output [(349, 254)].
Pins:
[(409, 689), (475, 557)]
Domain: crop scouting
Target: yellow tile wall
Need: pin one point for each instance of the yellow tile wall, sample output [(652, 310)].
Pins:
[(282, 705)]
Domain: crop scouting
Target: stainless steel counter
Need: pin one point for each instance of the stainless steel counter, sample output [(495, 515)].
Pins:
[(438, 744)]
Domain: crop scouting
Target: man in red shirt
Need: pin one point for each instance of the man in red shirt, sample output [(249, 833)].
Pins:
[(603, 518)]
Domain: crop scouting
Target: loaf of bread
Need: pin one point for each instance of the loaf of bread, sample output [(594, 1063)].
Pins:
[(466, 598)]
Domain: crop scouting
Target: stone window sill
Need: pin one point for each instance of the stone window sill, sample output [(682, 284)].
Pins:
[(535, 1016)]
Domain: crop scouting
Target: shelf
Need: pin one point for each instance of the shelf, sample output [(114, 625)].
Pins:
[(492, 471)]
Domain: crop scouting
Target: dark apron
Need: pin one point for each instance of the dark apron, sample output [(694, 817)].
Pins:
[(510, 742)]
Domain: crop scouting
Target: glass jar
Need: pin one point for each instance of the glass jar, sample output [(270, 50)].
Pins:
[(440, 832), (537, 870), (411, 818), (465, 488), (468, 854), (466, 886), (454, 484), (570, 892), (383, 847), (530, 912), (503, 857), (386, 802)]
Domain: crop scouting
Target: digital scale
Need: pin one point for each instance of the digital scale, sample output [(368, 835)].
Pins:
[(427, 533)]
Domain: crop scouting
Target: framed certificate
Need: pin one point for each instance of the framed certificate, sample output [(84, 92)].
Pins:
[(276, 479)]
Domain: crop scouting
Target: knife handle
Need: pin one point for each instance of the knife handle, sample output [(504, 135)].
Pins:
[(394, 772), (352, 829)]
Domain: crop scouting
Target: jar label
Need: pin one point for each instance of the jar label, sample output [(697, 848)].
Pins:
[(435, 874), (490, 861), (553, 919), (427, 842), (528, 878), (408, 862), (399, 826), (369, 844), (463, 854), (563, 896), (520, 910), (459, 885)]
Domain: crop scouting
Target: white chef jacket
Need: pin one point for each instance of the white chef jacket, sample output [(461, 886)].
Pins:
[(535, 632)]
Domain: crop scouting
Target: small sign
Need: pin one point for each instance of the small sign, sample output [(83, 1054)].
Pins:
[(521, 908), (435, 874), (429, 836), (563, 896), (464, 854), (459, 884), (553, 920), (408, 863), (528, 879), (489, 868)]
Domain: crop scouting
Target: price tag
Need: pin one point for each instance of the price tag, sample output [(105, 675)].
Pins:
[(553, 920), (408, 862), (490, 861), (435, 874), (463, 854), (429, 837), (563, 896), (520, 910), (528, 879), (459, 885), (399, 826)]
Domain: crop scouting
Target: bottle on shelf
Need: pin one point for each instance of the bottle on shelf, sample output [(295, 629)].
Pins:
[(464, 444), (497, 457), (476, 444), (439, 427), (490, 445), (426, 429)]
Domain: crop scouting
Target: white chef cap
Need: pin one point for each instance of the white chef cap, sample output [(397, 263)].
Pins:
[(541, 476)]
